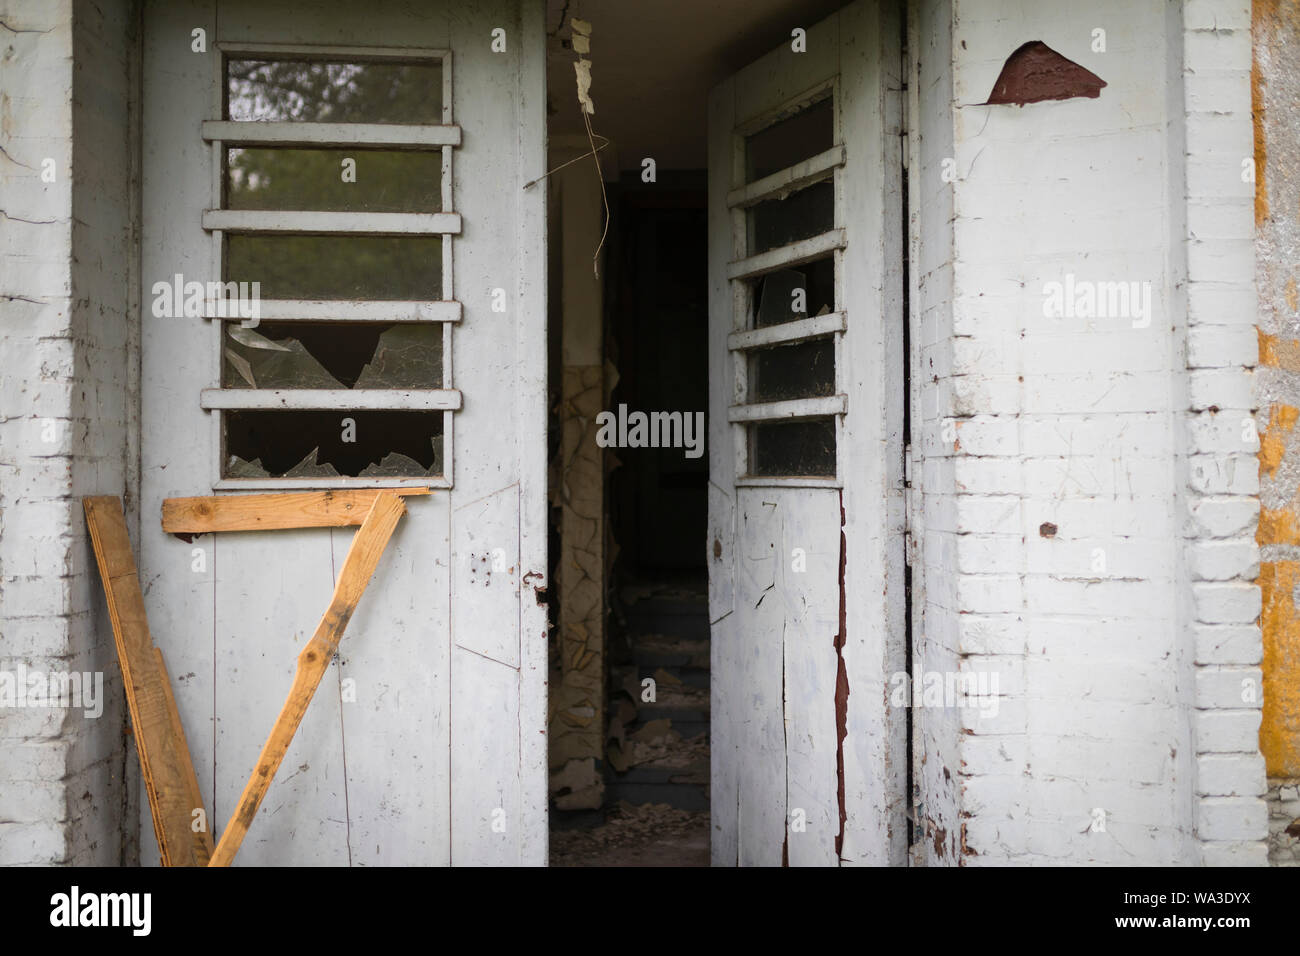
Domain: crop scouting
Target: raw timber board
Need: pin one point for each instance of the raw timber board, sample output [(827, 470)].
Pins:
[(309, 509), (169, 777)]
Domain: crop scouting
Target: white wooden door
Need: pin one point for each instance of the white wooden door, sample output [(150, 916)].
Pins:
[(805, 550), (364, 162)]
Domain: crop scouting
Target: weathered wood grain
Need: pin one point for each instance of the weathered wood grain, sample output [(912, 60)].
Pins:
[(393, 710), (177, 357), (193, 795), (871, 362), (169, 776), (367, 548), (310, 509), (724, 690), (780, 642)]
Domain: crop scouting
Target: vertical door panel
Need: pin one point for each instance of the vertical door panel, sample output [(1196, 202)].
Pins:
[(791, 674), (175, 359), (433, 715)]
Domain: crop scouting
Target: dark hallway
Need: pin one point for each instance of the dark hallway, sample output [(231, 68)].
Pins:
[(656, 770)]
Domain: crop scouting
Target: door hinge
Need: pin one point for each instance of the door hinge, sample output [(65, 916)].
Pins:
[(904, 123), (909, 544)]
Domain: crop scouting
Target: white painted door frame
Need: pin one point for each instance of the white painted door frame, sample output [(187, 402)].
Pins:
[(809, 760), (442, 757)]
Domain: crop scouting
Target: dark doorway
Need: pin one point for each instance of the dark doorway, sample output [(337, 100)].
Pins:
[(657, 337), (656, 809)]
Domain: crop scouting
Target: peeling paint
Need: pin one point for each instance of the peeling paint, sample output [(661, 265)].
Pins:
[(1277, 527), (1275, 86), (1258, 8), (1035, 72), (1272, 446), (841, 690), (1279, 732), (1279, 352)]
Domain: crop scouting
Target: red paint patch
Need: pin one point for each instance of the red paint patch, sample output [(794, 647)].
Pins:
[(1035, 73)]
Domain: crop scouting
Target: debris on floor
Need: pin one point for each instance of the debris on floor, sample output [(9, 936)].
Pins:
[(648, 834)]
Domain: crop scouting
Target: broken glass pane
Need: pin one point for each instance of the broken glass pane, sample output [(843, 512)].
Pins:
[(801, 215), (803, 370), (778, 297), (337, 266), (321, 90), (408, 356), (394, 465), (255, 361), (799, 448), (792, 294), (314, 179), (237, 467), (265, 443), (309, 467), (805, 134), (338, 355)]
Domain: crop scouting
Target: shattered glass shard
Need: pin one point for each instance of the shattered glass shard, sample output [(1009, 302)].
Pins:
[(407, 356), (239, 468), (253, 340), (436, 468), (309, 467), (240, 365), (394, 465), (270, 363)]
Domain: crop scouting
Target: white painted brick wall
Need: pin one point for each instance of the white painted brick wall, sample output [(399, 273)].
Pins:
[(65, 333), (1135, 616), (1231, 822), (1220, 358)]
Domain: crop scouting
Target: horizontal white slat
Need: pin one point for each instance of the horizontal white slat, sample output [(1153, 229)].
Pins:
[(362, 53), (795, 331), (784, 256), (234, 133), (347, 310), (280, 484), (787, 481), (363, 223), (332, 399), (788, 179), (795, 408)]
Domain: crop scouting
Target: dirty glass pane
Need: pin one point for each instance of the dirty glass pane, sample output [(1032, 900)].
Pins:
[(803, 448), (313, 179), (275, 444), (407, 356), (803, 370), (806, 133), (332, 355), (801, 215), (337, 266), (284, 89), (791, 294), (252, 360)]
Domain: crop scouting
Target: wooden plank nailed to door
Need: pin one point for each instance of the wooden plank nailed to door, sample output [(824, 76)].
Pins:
[(169, 777), (367, 548), (272, 512)]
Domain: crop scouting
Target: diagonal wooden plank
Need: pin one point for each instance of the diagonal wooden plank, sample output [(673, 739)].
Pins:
[(367, 548), (164, 756), (191, 780), (273, 512)]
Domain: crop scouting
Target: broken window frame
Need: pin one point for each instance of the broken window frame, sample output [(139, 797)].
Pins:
[(221, 134), (745, 273)]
